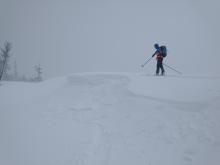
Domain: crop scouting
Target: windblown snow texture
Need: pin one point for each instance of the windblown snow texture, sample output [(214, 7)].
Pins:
[(111, 119)]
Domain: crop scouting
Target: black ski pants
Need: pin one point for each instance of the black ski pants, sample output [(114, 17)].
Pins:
[(160, 66)]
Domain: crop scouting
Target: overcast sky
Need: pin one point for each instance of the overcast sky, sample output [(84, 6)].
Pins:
[(68, 36)]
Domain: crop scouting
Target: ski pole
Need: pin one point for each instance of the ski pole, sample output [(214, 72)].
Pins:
[(172, 68), (146, 62)]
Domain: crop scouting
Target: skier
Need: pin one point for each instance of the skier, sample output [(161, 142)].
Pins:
[(160, 54)]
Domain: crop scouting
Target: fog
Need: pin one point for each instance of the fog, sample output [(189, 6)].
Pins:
[(69, 36)]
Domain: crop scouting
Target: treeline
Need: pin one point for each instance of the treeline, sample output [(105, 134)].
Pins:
[(5, 74)]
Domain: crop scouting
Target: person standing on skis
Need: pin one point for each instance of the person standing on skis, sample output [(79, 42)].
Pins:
[(160, 53)]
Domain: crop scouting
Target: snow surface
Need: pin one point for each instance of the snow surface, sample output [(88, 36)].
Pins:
[(111, 119)]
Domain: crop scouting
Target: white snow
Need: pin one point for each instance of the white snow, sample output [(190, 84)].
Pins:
[(111, 119)]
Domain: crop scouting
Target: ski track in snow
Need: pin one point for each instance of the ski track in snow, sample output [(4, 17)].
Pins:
[(129, 127)]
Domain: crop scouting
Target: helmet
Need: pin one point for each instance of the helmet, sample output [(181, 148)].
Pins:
[(156, 46)]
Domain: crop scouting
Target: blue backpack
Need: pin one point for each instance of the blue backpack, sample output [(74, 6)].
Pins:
[(164, 51)]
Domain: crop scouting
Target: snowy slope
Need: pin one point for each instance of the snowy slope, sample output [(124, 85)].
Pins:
[(111, 119)]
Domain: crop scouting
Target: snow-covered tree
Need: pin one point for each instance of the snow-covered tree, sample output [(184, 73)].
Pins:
[(38, 70), (4, 55), (15, 71)]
